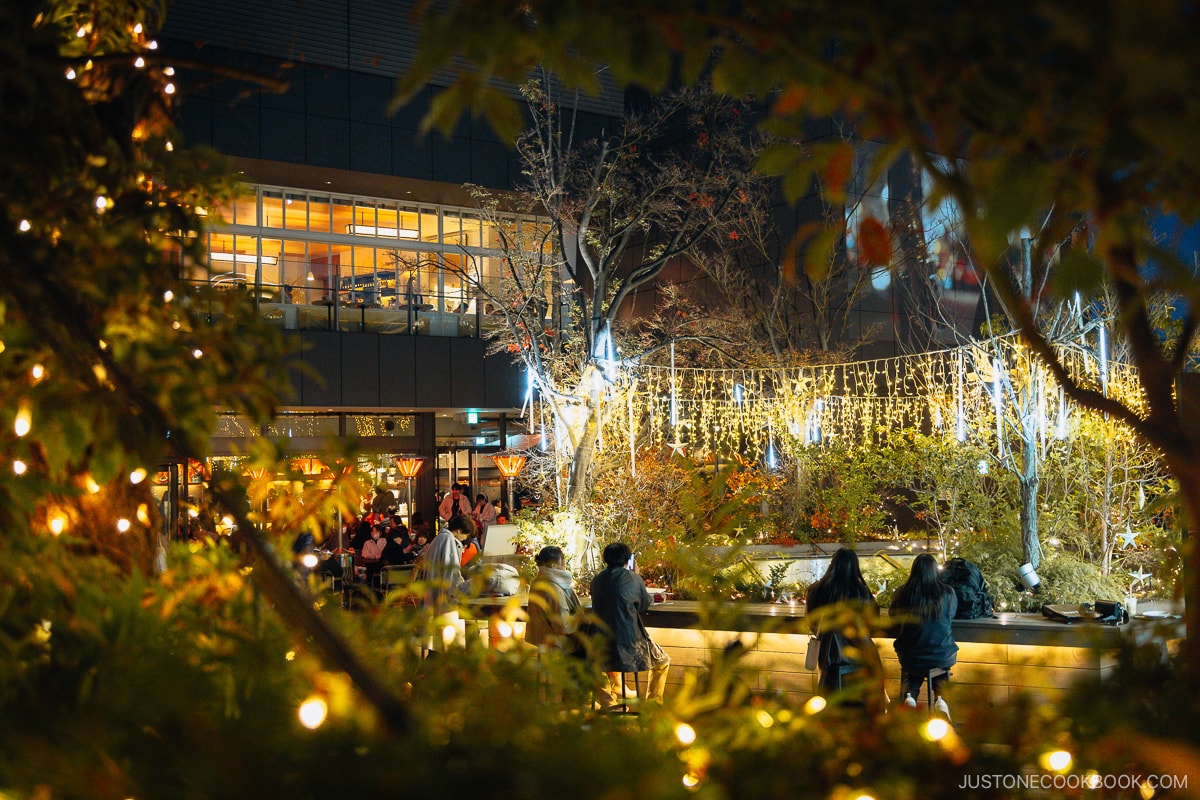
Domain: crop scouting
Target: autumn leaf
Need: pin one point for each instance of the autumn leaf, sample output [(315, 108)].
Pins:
[(874, 243), (790, 101)]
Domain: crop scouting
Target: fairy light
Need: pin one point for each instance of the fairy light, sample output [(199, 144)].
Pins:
[(449, 634), (850, 402), (1056, 760), (139, 62), (168, 296), (18, 466), (137, 29), (57, 524), (91, 485), (123, 525), (137, 476), (936, 729), (310, 560), (169, 88), (37, 372), (685, 734), (71, 74), (815, 705), (24, 226), (764, 718), (23, 422), (197, 353), (312, 713)]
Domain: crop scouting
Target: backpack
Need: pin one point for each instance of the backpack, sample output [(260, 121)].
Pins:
[(967, 582)]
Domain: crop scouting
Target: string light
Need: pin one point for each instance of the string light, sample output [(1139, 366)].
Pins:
[(23, 422), (685, 734), (123, 525), (851, 402), (312, 713)]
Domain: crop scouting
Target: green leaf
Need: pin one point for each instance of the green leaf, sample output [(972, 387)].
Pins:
[(1078, 271)]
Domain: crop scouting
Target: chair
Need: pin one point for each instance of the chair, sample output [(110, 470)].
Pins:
[(396, 575)]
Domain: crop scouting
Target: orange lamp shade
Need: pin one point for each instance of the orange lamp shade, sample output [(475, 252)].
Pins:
[(409, 466), (509, 466)]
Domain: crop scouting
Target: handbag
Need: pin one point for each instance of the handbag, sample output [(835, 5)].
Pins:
[(814, 650)]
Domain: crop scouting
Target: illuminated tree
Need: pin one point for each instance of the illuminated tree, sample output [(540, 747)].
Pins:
[(621, 208)]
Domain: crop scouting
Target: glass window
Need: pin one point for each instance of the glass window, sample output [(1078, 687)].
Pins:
[(319, 214), (272, 209), (245, 210), (295, 211)]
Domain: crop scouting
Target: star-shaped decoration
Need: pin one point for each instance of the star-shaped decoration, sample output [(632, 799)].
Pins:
[(1138, 577), (1127, 537), (676, 447)]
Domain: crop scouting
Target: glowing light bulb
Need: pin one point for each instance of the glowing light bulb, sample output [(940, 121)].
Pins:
[(137, 29), (1056, 760), (123, 525), (504, 630), (19, 466), (764, 718), (168, 296), (685, 734), (691, 780), (197, 353), (139, 62), (936, 729), (82, 32), (37, 372), (70, 74), (312, 713), (58, 524), (23, 422), (815, 705), (143, 513), (24, 226), (137, 476), (169, 88), (309, 560), (449, 633), (101, 203)]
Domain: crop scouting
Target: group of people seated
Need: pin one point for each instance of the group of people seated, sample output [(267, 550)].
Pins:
[(842, 607)]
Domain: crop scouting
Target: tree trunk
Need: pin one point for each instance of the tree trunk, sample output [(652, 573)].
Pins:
[(1186, 468), (579, 485), (1031, 547)]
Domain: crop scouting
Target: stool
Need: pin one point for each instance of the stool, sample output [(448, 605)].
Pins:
[(624, 707), (936, 672)]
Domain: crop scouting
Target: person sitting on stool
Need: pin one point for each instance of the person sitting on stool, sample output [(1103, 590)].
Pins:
[(845, 659), (924, 642), (619, 597)]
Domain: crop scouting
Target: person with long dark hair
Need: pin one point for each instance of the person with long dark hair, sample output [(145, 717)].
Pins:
[(846, 648), (925, 607)]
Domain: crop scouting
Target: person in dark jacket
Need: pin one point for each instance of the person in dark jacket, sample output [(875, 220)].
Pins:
[(845, 658), (619, 597), (924, 641)]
